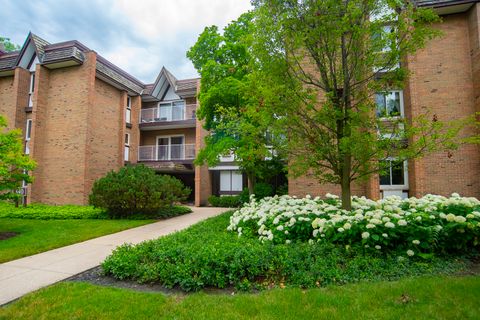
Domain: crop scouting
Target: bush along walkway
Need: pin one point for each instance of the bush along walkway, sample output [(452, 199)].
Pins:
[(22, 276)]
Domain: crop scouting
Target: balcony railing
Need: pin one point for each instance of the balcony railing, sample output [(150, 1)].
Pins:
[(168, 114), (169, 152)]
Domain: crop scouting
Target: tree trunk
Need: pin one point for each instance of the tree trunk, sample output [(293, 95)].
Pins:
[(251, 182), (346, 182)]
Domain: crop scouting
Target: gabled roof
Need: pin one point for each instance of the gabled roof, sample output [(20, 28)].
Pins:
[(39, 46), (166, 80)]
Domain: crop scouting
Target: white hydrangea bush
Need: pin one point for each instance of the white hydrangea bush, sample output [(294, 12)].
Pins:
[(413, 226)]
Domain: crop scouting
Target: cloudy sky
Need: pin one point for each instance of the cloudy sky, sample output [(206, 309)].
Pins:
[(139, 36)]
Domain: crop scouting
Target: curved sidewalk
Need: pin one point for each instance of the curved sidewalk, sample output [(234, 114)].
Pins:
[(19, 277)]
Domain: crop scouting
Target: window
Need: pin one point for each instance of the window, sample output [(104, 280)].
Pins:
[(28, 129), (171, 111), (231, 181), (395, 175), (389, 104), (128, 111), (31, 89), (127, 147)]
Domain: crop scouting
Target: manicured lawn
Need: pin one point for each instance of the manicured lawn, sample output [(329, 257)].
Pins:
[(414, 298), (41, 235)]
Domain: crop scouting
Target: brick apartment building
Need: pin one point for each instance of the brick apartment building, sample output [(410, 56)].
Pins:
[(83, 116)]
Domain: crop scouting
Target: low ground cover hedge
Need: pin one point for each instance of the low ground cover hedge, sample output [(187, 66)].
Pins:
[(225, 201), (48, 212), (207, 255)]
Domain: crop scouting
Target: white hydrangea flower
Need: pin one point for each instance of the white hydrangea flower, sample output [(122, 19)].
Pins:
[(410, 253), (365, 235), (416, 242), (384, 235), (460, 219), (370, 226), (378, 247), (402, 222), (390, 225), (347, 226), (340, 230)]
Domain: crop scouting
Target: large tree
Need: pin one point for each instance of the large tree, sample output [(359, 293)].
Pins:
[(223, 60), (319, 64), (14, 164), (8, 45)]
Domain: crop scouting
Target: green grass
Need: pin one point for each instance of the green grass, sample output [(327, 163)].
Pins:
[(42, 235), (423, 298), (46, 212)]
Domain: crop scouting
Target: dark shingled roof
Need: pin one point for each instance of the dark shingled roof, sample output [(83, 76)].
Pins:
[(75, 51), (187, 86), (7, 60), (63, 54)]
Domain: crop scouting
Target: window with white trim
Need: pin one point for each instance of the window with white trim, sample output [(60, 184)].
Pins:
[(389, 104), (128, 110), (396, 175), (28, 129), (231, 180), (31, 89), (127, 147)]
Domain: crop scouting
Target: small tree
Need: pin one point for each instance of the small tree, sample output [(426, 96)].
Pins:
[(14, 164), (319, 63), (225, 104)]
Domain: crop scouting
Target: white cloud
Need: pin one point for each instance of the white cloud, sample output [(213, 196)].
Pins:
[(139, 36)]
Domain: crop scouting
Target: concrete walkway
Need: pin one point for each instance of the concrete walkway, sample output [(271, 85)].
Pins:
[(19, 277)]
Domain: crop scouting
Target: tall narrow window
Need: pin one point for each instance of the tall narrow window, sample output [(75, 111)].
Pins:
[(28, 133), (28, 129), (127, 147), (31, 89), (128, 111)]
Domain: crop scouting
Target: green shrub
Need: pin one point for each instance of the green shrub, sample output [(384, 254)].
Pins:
[(262, 190), (225, 201), (47, 212), (206, 255), (135, 190)]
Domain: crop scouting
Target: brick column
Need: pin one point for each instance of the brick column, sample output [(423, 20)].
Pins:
[(21, 86), (135, 130)]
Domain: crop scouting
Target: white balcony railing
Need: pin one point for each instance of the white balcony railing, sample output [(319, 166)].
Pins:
[(168, 114), (166, 152)]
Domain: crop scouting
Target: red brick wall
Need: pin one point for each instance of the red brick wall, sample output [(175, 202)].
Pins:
[(441, 81), (105, 130), (7, 100)]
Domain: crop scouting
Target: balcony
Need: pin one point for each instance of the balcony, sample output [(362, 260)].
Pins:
[(172, 152), (172, 116)]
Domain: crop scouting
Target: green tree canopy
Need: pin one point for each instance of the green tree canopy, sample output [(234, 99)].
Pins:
[(9, 46), (318, 65), (14, 164), (228, 108)]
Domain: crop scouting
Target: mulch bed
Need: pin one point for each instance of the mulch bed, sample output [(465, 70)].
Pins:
[(96, 277), (7, 235)]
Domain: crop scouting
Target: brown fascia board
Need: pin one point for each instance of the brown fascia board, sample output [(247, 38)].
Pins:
[(443, 3)]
